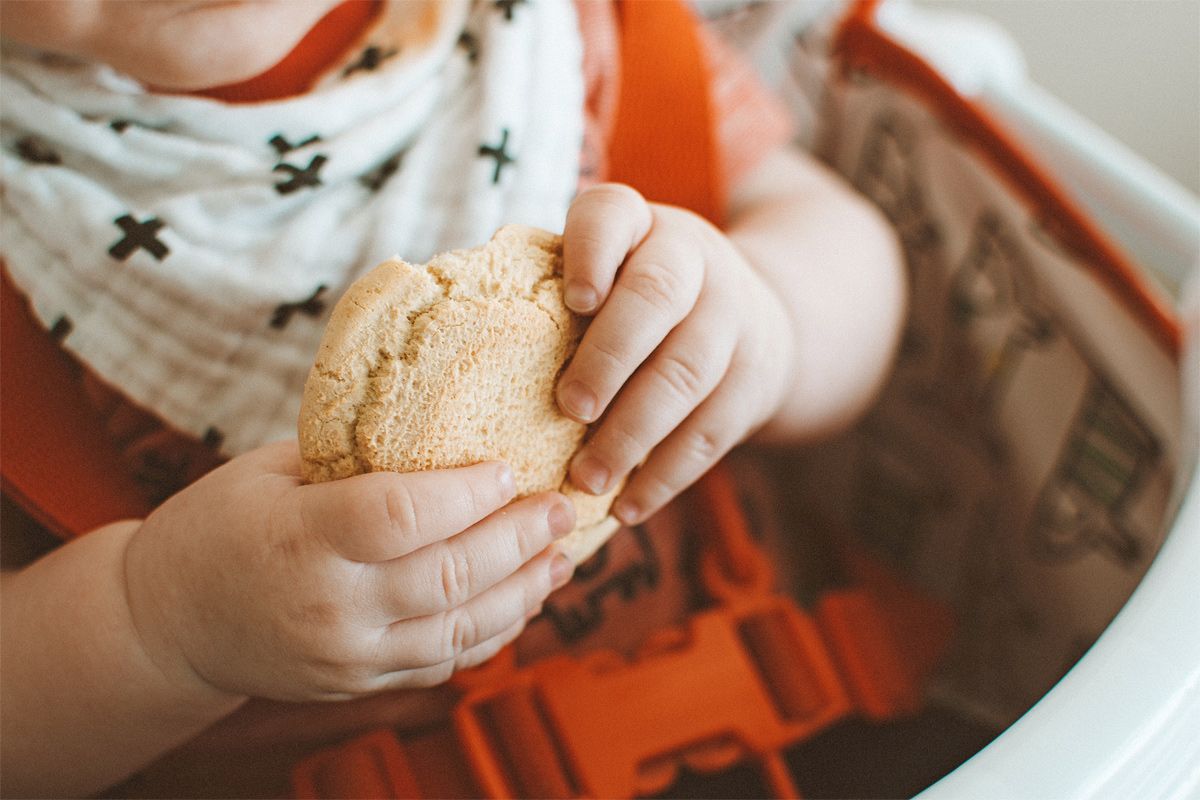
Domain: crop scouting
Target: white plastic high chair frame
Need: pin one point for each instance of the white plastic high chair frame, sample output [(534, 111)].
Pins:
[(1125, 721)]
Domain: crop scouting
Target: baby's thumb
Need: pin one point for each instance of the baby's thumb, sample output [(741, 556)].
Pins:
[(384, 515)]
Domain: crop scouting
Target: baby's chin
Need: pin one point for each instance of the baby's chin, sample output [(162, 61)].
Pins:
[(208, 44), (190, 46)]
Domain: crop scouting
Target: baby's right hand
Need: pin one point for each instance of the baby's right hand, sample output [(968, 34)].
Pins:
[(260, 585)]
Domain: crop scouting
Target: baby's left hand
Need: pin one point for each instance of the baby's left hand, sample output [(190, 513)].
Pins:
[(693, 345)]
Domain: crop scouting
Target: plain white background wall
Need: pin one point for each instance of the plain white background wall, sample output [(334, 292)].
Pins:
[(1130, 66)]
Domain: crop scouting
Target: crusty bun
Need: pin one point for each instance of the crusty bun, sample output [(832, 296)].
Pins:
[(452, 363)]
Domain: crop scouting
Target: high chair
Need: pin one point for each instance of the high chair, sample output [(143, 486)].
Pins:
[(1019, 515)]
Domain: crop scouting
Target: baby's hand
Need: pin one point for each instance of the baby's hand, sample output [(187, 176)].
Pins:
[(260, 585), (693, 345)]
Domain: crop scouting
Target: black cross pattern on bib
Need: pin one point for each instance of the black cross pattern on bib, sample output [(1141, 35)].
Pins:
[(370, 60), (35, 151), (61, 328), (507, 6), (499, 153), (470, 45), (282, 146), (312, 306), (138, 235), (300, 178), (212, 438), (376, 178)]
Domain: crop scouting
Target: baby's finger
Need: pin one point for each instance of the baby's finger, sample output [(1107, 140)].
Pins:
[(446, 574), (440, 673), (385, 515), (690, 451), (657, 288), (660, 396), (604, 224), (431, 640), (276, 458)]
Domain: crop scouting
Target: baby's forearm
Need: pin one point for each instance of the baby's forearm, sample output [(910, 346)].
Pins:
[(83, 704), (836, 265)]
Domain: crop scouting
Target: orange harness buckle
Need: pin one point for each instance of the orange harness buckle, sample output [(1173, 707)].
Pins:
[(569, 727), (581, 727)]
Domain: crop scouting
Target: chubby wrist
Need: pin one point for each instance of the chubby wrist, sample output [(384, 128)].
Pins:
[(155, 642), (80, 687)]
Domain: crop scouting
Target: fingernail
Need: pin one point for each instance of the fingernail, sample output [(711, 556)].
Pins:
[(561, 518), (580, 297), (508, 482), (592, 474), (626, 511), (561, 570), (578, 401)]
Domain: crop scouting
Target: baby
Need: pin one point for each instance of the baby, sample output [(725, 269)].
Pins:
[(131, 640)]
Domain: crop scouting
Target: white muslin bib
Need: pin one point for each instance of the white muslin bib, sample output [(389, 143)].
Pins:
[(190, 249)]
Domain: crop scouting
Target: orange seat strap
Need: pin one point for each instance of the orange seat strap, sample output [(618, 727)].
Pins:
[(664, 140)]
